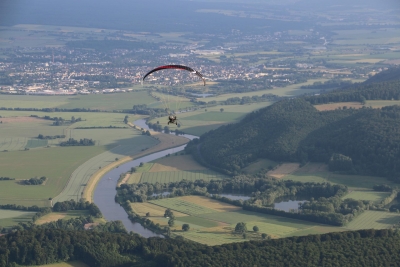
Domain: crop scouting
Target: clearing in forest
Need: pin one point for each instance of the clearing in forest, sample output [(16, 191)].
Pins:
[(284, 169), (176, 163), (341, 105)]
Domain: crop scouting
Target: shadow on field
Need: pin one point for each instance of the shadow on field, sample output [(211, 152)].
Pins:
[(389, 220)]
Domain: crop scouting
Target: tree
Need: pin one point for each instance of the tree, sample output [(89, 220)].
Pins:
[(126, 119), (241, 228), (244, 235), (116, 159), (255, 228), (264, 235), (166, 130), (148, 214), (222, 110), (168, 213), (141, 164), (185, 227), (171, 222)]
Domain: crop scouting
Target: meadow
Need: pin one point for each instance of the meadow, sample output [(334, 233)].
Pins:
[(56, 164), (173, 169), (212, 222), (352, 181), (24, 156), (13, 217), (201, 121), (106, 102)]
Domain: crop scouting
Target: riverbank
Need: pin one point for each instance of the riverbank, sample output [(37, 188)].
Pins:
[(166, 141)]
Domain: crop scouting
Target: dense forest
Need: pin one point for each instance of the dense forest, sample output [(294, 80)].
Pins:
[(293, 130), (95, 248)]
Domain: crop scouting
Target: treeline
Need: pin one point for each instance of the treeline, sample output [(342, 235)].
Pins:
[(334, 83), (33, 181), (360, 93), (49, 137), (39, 246), (80, 205), (249, 99), (293, 130), (81, 142), (6, 179)]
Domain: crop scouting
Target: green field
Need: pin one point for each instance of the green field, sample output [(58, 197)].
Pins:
[(57, 164), (88, 119), (182, 206), (366, 37), (374, 219), (352, 181), (175, 176), (200, 121), (215, 116), (192, 220), (130, 144), (367, 195), (107, 102), (21, 133), (259, 165), (13, 217)]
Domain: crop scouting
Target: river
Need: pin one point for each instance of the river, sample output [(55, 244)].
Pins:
[(104, 194)]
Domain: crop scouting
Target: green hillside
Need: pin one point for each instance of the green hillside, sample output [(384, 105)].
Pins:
[(294, 130)]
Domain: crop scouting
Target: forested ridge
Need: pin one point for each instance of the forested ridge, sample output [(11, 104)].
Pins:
[(43, 246), (382, 86), (294, 130)]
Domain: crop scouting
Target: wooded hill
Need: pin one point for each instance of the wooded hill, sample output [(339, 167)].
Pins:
[(293, 130), (38, 246)]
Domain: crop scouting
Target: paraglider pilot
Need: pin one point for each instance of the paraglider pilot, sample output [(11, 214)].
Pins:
[(172, 119)]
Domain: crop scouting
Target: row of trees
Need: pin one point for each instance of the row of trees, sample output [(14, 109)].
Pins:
[(81, 142), (6, 178), (78, 205), (33, 181)]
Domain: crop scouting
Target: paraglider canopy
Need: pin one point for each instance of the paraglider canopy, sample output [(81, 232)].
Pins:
[(177, 67)]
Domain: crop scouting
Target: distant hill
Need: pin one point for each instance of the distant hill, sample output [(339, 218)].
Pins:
[(382, 86), (293, 130)]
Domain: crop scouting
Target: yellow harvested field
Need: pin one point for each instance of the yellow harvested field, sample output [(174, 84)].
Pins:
[(210, 203), (176, 163), (334, 106), (50, 218), (313, 167), (155, 211), (284, 169)]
